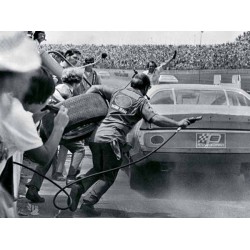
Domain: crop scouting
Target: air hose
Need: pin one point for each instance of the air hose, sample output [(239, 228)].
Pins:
[(62, 189), (107, 171), (45, 177)]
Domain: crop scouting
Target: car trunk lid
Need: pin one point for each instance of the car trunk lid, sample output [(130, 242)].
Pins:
[(215, 117)]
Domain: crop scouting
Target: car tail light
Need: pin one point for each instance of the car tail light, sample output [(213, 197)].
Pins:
[(157, 139)]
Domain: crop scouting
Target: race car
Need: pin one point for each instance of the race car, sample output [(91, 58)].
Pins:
[(219, 143)]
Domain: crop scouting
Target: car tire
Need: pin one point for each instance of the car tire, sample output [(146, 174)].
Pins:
[(79, 133), (149, 179), (136, 178), (83, 110)]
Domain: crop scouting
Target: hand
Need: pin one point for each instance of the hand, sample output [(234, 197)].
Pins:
[(183, 123), (62, 118)]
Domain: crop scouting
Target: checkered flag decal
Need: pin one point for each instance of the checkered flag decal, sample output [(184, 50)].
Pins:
[(211, 140), (202, 138)]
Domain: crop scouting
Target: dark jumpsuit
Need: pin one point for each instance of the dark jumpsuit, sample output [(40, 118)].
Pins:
[(127, 107)]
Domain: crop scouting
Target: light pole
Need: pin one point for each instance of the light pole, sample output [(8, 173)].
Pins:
[(200, 56)]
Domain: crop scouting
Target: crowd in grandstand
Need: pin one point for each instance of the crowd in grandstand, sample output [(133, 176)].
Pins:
[(233, 55)]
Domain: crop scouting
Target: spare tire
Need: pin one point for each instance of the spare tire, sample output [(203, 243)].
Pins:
[(79, 133), (84, 112)]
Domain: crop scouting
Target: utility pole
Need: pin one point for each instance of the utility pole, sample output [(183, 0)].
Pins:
[(201, 33)]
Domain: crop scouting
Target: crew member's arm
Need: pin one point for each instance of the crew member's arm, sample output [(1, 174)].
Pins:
[(44, 154), (163, 121), (105, 91), (159, 120)]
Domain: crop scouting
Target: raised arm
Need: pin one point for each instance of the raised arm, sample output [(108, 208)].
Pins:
[(164, 65), (105, 91)]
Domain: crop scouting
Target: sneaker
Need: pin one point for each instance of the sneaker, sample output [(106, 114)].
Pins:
[(75, 194), (58, 177), (33, 196), (89, 210)]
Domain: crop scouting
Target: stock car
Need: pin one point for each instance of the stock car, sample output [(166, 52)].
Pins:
[(219, 143)]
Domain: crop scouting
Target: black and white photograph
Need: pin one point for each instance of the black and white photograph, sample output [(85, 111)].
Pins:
[(172, 120), (101, 124)]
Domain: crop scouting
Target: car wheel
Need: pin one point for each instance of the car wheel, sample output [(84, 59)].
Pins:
[(149, 179), (136, 178)]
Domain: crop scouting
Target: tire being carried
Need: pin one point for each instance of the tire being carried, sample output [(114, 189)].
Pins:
[(84, 112)]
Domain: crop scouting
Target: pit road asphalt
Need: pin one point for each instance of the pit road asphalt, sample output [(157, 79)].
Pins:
[(209, 198)]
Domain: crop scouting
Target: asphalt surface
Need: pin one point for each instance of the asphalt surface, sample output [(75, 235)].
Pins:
[(207, 197), (115, 203)]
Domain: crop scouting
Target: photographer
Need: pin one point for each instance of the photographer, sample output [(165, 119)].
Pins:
[(19, 62)]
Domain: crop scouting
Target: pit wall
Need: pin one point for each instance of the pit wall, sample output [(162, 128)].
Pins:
[(193, 76)]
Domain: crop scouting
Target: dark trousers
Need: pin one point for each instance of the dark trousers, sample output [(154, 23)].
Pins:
[(76, 148), (104, 158)]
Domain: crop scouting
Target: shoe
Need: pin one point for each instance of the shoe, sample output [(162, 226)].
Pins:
[(75, 194), (33, 196), (89, 210), (58, 177)]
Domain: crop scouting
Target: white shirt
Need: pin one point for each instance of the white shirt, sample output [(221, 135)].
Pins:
[(17, 131), (154, 77)]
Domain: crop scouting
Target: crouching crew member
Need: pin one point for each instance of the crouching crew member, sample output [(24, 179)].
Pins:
[(127, 107)]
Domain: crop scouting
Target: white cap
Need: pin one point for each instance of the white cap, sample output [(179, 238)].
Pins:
[(18, 53)]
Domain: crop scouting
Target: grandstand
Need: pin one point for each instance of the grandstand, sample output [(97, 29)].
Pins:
[(194, 63), (233, 55)]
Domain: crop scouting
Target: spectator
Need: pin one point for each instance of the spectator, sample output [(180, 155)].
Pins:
[(232, 55), (89, 77), (73, 56), (39, 36), (153, 72)]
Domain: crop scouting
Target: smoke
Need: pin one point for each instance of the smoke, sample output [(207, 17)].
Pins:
[(205, 196)]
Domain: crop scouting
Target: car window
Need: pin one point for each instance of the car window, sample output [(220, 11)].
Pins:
[(201, 97), (237, 99), (162, 97)]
